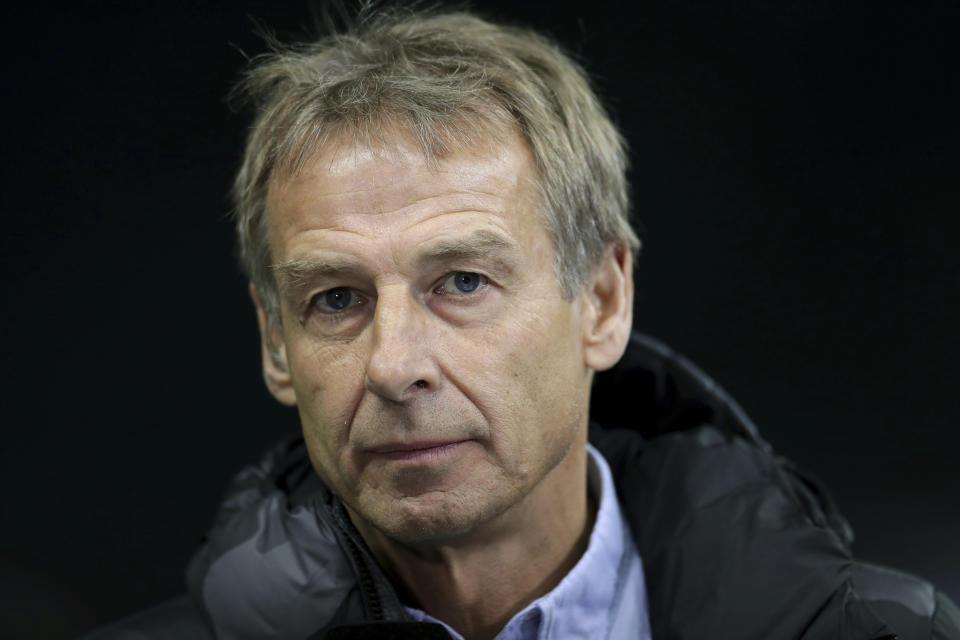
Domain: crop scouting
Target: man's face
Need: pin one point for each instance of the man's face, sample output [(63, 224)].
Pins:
[(438, 371)]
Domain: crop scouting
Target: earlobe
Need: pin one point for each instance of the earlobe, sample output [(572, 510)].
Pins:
[(276, 373), (608, 309)]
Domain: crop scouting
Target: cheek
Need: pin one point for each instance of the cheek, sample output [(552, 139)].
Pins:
[(533, 370), (323, 368), (328, 381), (544, 347)]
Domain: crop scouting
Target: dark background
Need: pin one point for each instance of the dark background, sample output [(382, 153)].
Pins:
[(795, 168)]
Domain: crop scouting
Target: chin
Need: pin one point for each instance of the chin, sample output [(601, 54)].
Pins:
[(428, 519)]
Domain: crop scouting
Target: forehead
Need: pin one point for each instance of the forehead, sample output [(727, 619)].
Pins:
[(387, 189)]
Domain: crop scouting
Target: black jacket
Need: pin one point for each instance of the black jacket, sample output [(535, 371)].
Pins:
[(736, 542)]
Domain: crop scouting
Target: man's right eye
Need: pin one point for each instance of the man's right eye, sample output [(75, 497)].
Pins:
[(336, 300)]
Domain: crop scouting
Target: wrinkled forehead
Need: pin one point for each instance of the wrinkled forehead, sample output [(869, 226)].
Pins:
[(490, 160)]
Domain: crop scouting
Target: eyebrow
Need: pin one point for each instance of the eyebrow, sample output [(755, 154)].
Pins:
[(300, 272), (478, 244), (297, 273)]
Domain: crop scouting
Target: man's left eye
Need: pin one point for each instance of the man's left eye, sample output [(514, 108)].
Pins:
[(462, 282)]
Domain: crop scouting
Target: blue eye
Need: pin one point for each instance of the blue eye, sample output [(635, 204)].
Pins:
[(461, 282), (336, 300)]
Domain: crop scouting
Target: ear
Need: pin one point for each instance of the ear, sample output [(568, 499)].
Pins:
[(608, 309), (276, 374)]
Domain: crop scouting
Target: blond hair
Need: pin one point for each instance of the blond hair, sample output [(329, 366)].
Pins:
[(447, 80)]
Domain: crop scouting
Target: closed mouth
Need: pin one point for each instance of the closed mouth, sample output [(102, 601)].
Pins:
[(423, 451)]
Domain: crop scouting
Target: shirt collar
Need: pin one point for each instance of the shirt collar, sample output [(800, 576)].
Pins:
[(582, 604)]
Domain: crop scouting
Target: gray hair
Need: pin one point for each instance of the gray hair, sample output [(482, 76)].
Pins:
[(448, 80)]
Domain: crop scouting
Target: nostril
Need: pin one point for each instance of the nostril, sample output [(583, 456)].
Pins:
[(420, 384)]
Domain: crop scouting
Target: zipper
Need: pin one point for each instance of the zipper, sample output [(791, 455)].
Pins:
[(368, 588), (361, 559)]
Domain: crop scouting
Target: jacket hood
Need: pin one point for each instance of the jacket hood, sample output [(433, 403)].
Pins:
[(654, 391)]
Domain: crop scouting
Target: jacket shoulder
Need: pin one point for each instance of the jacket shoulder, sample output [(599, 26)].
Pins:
[(176, 619), (739, 542), (736, 540)]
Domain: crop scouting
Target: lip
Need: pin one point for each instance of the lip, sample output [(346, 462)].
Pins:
[(422, 451)]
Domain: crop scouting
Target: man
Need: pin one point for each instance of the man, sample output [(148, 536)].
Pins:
[(432, 212)]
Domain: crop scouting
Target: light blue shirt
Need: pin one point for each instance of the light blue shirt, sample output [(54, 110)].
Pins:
[(603, 596)]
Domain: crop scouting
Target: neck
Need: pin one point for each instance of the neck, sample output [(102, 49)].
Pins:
[(477, 582)]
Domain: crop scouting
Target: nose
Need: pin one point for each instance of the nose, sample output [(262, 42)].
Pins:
[(400, 364)]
